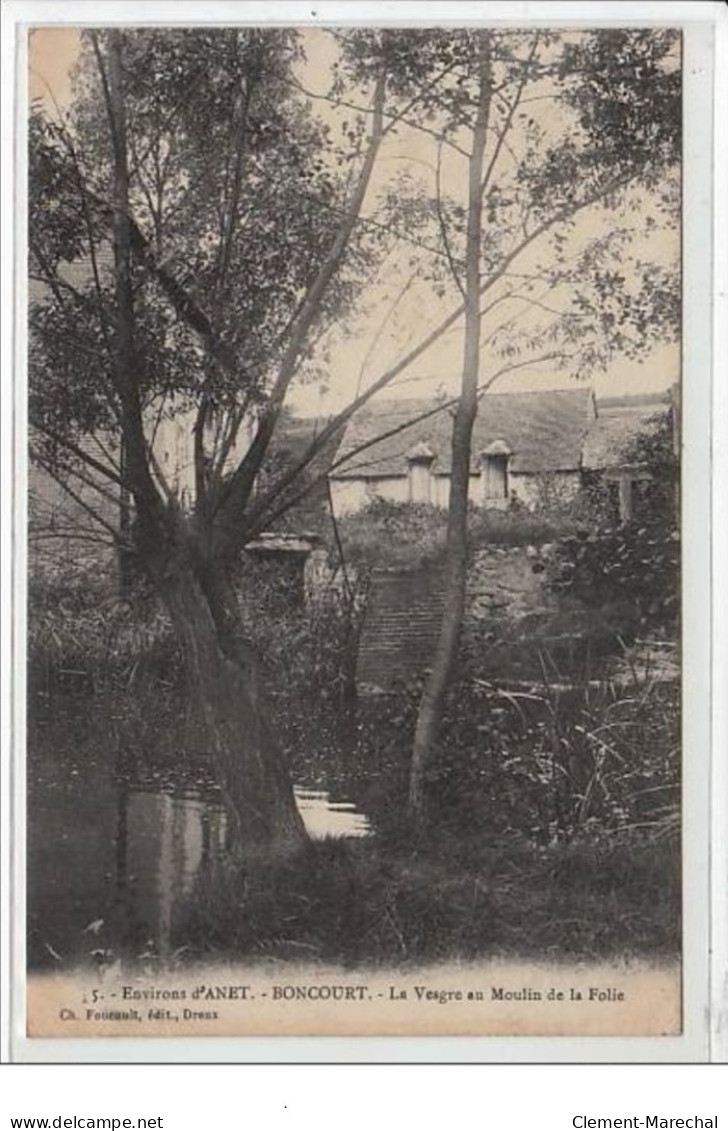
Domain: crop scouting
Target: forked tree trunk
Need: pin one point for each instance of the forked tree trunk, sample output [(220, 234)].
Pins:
[(249, 764), (429, 716)]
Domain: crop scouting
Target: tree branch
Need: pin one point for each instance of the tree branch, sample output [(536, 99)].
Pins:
[(393, 119), (237, 489), (441, 221), (126, 361), (330, 430), (79, 452), (47, 467), (380, 330), (512, 107), (239, 156)]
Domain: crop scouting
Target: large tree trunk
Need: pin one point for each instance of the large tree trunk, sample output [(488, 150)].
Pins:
[(431, 705), (249, 764)]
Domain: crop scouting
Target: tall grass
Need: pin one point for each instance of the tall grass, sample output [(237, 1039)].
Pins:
[(551, 763), (85, 637), (375, 903)]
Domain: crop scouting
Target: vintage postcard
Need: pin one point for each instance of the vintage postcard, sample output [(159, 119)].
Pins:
[(365, 440)]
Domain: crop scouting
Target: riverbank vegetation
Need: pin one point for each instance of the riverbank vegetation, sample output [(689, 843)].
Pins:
[(455, 898), (555, 818)]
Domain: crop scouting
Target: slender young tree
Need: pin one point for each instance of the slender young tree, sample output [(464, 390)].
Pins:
[(613, 140), (457, 535)]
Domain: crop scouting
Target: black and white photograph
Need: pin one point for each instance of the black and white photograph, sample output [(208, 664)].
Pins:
[(355, 388)]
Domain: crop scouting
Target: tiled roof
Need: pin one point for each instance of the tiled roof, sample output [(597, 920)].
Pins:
[(612, 438), (545, 431)]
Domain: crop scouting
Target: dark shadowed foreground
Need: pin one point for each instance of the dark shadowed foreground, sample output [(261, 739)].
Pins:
[(128, 850)]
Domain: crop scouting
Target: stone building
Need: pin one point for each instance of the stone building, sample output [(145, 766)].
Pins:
[(536, 448), (520, 441), (612, 448)]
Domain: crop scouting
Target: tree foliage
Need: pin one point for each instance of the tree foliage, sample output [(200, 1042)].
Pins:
[(636, 563), (615, 126)]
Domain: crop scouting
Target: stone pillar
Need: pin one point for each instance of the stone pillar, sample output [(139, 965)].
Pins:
[(625, 497), (419, 471)]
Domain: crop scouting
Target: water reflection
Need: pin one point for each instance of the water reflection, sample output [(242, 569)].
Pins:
[(324, 817), (111, 860)]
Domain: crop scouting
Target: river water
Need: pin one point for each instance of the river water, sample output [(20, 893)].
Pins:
[(116, 851)]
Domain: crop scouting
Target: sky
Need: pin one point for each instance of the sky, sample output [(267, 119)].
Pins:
[(397, 308), (52, 54)]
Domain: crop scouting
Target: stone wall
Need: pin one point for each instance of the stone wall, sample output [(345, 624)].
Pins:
[(516, 625), (401, 623), (507, 583)]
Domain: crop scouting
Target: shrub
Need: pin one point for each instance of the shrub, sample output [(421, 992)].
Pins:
[(407, 534), (587, 763), (83, 636), (638, 564)]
